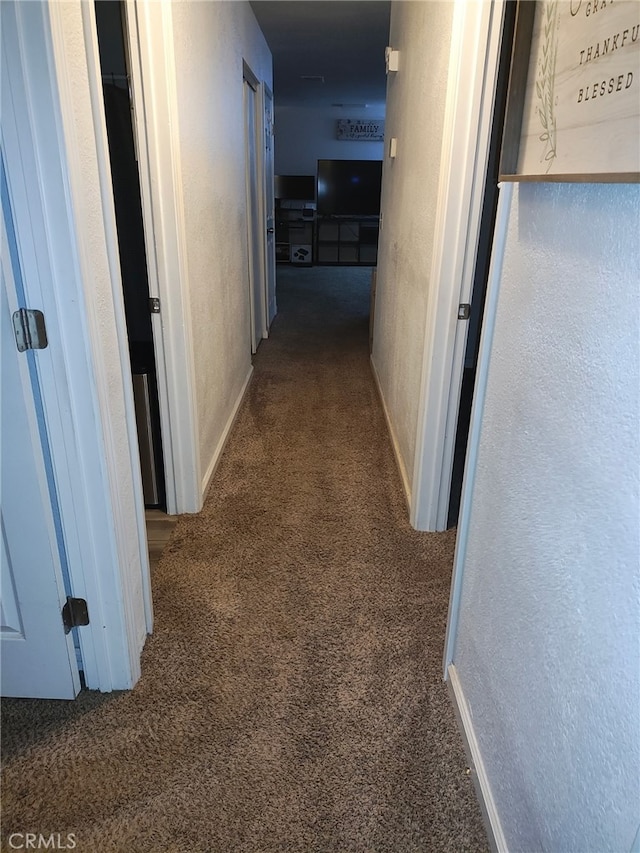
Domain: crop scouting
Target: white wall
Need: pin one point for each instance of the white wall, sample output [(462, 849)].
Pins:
[(210, 41), (305, 135), (415, 114), (547, 643)]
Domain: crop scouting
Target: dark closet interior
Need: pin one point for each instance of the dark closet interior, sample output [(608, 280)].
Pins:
[(131, 243)]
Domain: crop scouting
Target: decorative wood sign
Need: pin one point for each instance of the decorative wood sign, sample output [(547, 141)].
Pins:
[(362, 130), (573, 109)]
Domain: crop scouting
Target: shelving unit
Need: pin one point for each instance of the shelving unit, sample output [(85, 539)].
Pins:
[(345, 241), (295, 234)]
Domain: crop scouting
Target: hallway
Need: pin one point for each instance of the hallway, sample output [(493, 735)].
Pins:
[(291, 696)]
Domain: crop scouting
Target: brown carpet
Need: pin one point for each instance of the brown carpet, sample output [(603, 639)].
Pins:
[(291, 697)]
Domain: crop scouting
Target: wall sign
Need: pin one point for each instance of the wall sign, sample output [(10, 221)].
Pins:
[(364, 130), (573, 109)]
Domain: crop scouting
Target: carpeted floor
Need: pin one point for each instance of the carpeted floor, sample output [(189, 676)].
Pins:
[(291, 697)]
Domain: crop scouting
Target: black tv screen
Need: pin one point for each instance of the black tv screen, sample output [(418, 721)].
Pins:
[(298, 187), (349, 187)]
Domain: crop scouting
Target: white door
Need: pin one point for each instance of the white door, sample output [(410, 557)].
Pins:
[(270, 246), (254, 215), (37, 657)]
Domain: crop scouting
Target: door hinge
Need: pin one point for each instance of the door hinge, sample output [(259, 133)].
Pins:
[(464, 311), (154, 305), (30, 329), (74, 613)]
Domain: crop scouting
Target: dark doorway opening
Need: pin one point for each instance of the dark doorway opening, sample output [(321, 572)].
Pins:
[(116, 87)]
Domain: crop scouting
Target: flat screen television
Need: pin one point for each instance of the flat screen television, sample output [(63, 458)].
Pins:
[(349, 187), (297, 187)]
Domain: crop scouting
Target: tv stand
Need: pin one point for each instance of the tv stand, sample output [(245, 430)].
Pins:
[(347, 240)]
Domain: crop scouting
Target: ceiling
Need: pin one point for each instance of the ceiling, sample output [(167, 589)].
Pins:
[(338, 43)]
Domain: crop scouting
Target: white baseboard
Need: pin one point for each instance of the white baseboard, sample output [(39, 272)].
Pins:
[(217, 454), (394, 442), (474, 757)]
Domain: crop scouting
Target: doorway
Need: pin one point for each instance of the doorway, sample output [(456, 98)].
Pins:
[(269, 187), (481, 277), (252, 138), (116, 87)]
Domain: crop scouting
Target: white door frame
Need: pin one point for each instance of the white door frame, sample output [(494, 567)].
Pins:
[(269, 209), (156, 122), (107, 562), (471, 86), (255, 212)]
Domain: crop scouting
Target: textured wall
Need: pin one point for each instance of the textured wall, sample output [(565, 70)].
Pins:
[(304, 136), (416, 97), (547, 644), (211, 40)]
